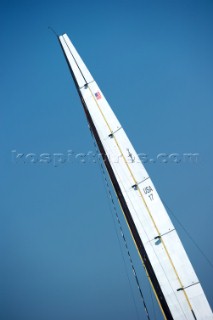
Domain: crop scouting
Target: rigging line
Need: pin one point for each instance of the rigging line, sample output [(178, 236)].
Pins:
[(122, 234), (116, 231), (55, 33), (153, 306), (189, 235)]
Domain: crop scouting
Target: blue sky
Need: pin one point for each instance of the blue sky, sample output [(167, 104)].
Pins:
[(60, 256)]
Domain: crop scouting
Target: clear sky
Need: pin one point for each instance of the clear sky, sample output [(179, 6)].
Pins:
[(60, 256)]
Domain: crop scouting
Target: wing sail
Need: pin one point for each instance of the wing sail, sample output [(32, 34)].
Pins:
[(172, 276)]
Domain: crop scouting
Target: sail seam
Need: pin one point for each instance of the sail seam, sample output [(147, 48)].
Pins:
[(75, 61)]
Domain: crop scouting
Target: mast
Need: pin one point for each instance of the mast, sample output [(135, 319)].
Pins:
[(171, 275)]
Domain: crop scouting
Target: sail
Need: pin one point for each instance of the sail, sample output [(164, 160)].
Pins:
[(173, 279)]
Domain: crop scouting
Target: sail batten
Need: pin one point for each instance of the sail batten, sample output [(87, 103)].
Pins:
[(173, 279)]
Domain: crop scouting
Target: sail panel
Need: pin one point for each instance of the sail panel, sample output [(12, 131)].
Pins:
[(199, 302), (103, 107), (180, 260), (168, 281), (98, 106), (155, 208)]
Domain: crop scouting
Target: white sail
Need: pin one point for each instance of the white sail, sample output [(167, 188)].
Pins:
[(171, 274)]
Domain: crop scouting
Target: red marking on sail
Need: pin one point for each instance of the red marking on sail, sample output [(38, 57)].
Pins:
[(98, 95)]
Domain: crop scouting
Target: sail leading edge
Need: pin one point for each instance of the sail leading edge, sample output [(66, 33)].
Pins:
[(173, 279)]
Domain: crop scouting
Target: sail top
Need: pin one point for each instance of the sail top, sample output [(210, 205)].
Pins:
[(77, 66)]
